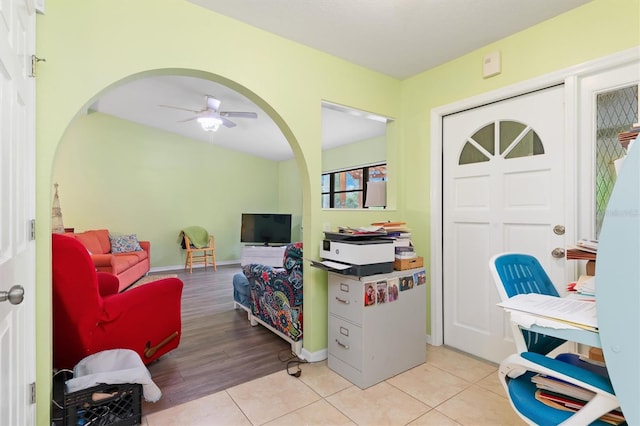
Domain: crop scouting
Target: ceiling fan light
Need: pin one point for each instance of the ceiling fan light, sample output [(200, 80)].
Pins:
[(209, 124)]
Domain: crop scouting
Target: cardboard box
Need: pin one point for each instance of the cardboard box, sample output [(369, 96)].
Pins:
[(596, 354), (402, 264)]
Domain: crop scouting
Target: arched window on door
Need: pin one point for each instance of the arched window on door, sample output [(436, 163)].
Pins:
[(512, 140)]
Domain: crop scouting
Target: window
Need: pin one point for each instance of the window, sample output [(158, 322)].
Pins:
[(513, 140), (617, 110), (345, 189)]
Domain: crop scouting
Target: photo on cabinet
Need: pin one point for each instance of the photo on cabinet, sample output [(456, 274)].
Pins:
[(392, 285), (382, 296), (369, 294), (406, 283), (420, 277)]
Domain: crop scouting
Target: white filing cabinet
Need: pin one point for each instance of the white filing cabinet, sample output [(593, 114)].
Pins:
[(369, 344)]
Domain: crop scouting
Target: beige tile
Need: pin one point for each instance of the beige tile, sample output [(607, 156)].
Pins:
[(381, 404), (320, 413), (429, 384), (492, 383), (475, 406), (459, 364), (434, 418), (216, 409), (319, 377), (272, 396)]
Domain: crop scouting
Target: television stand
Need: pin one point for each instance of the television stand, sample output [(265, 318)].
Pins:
[(263, 255)]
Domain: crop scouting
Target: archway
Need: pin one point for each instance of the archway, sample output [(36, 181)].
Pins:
[(198, 147)]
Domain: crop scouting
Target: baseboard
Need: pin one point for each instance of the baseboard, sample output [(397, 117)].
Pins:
[(178, 267), (317, 356)]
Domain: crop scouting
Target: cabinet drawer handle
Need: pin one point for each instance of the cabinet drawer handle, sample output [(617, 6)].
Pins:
[(345, 301), (342, 344)]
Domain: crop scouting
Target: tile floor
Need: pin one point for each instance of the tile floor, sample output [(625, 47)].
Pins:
[(449, 389)]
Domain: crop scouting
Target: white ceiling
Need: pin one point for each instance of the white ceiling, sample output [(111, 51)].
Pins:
[(400, 38), (139, 101), (395, 37)]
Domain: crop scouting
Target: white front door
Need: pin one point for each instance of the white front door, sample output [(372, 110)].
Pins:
[(503, 190), (17, 209)]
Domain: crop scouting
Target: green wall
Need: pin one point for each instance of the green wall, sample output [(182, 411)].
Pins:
[(92, 45), (290, 196), (597, 29), (361, 153), (130, 178)]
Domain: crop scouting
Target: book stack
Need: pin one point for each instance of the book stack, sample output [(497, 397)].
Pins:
[(585, 249), (398, 231), (625, 137), (405, 252), (363, 230), (559, 394), (392, 228)]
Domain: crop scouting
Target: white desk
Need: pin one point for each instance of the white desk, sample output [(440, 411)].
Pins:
[(538, 313), (585, 337), (263, 255)]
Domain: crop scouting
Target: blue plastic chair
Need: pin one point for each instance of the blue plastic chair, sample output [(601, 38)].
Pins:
[(518, 273)]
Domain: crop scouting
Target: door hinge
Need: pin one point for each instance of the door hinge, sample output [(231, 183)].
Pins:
[(34, 61), (32, 398), (32, 229)]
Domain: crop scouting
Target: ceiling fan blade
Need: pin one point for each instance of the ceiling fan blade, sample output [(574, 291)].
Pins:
[(239, 114), (227, 123), (180, 108), (187, 119)]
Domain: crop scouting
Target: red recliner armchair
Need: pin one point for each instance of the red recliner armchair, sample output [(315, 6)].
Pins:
[(89, 315)]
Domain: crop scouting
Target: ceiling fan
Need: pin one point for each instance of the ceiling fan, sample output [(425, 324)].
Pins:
[(210, 118)]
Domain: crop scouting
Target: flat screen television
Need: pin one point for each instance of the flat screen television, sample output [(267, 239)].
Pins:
[(266, 228)]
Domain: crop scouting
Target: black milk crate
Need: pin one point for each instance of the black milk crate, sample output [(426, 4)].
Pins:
[(105, 404)]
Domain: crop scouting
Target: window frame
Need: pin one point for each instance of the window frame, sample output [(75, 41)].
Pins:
[(365, 169)]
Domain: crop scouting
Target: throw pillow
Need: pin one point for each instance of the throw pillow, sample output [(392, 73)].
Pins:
[(124, 243)]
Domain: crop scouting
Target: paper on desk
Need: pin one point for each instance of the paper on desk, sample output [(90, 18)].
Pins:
[(586, 285), (578, 313), (324, 264), (527, 320)]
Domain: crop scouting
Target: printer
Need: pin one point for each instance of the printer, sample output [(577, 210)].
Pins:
[(356, 254)]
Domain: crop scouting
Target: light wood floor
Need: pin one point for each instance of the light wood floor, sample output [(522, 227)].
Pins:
[(219, 348)]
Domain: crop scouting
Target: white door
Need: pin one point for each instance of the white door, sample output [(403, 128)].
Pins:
[(17, 209), (503, 190)]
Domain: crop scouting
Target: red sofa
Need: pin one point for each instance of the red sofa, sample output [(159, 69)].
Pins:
[(128, 267), (89, 315)]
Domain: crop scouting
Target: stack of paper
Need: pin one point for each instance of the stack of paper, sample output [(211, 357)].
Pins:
[(405, 252), (586, 285), (588, 245), (572, 313), (569, 397)]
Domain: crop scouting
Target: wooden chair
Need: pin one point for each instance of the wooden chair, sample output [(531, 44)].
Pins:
[(204, 254)]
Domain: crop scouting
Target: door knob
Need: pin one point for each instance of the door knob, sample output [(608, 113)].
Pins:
[(15, 295), (558, 230), (557, 252)]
